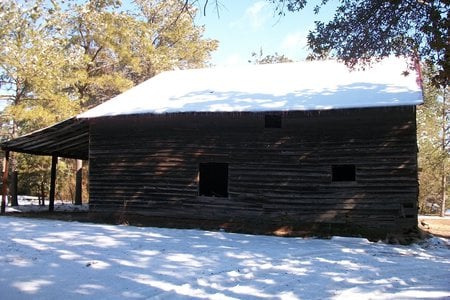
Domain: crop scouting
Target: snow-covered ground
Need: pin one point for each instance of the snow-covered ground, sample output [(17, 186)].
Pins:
[(31, 204), (43, 259)]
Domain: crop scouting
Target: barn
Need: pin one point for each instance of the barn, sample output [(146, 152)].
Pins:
[(273, 146)]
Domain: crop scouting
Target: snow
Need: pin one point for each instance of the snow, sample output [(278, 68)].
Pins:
[(43, 259), (307, 85), (31, 204)]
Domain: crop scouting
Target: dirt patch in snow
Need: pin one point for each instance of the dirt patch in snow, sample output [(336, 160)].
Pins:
[(435, 225)]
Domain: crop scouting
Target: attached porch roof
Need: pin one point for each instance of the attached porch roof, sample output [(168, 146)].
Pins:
[(69, 138)]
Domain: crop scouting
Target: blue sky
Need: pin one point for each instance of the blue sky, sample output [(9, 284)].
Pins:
[(245, 26)]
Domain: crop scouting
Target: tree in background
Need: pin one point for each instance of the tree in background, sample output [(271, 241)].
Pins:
[(33, 77), (33, 69), (258, 58), (59, 58), (122, 48)]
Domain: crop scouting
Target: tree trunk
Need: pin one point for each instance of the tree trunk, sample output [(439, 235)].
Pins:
[(42, 196), (444, 153), (444, 193), (5, 183)]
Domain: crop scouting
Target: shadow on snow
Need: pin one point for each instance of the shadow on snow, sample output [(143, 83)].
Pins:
[(45, 259)]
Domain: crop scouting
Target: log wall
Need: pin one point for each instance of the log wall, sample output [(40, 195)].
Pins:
[(149, 164)]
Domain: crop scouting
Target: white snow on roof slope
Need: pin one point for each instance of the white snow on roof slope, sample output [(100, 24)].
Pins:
[(308, 85)]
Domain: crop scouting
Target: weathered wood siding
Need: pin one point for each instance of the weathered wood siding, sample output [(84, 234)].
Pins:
[(149, 164)]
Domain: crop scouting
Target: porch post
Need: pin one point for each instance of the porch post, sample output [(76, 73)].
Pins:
[(13, 191), (79, 180), (51, 204), (5, 182)]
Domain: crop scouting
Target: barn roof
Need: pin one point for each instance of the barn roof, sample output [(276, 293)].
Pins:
[(307, 85), (314, 85)]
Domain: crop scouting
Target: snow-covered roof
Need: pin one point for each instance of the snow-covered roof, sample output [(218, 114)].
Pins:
[(307, 85)]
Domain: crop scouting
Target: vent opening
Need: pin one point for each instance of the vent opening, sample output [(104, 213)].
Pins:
[(341, 173)]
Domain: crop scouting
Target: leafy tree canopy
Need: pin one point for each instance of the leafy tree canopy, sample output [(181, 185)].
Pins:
[(362, 30), (124, 47), (59, 57), (33, 67)]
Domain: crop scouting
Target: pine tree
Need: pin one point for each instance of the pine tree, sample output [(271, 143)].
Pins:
[(59, 58), (433, 140)]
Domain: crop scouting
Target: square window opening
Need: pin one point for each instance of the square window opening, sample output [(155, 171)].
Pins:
[(213, 179), (341, 173), (272, 121)]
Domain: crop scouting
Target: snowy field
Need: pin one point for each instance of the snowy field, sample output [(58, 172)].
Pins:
[(43, 259)]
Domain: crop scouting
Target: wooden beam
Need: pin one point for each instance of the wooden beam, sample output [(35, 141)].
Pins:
[(68, 139), (13, 188), (5, 182), (51, 204), (79, 180)]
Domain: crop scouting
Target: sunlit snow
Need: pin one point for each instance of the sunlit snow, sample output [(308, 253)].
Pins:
[(43, 259), (307, 85)]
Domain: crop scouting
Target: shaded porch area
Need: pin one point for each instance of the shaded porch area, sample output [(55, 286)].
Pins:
[(67, 139)]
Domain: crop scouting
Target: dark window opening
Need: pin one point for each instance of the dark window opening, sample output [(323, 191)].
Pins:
[(408, 207), (213, 179), (272, 121), (343, 173)]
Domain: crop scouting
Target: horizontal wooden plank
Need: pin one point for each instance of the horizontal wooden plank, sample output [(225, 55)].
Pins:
[(152, 166)]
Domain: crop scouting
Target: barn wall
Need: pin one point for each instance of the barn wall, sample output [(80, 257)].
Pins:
[(281, 175)]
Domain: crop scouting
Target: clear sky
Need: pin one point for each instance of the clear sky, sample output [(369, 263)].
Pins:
[(245, 26)]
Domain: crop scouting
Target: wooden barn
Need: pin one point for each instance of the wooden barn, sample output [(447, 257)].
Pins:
[(281, 145)]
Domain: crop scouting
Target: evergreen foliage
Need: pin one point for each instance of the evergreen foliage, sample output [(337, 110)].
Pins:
[(61, 57), (433, 156)]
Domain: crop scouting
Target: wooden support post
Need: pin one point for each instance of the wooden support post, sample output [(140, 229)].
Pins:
[(79, 181), (51, 204), (5, 182), (14, 183)]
